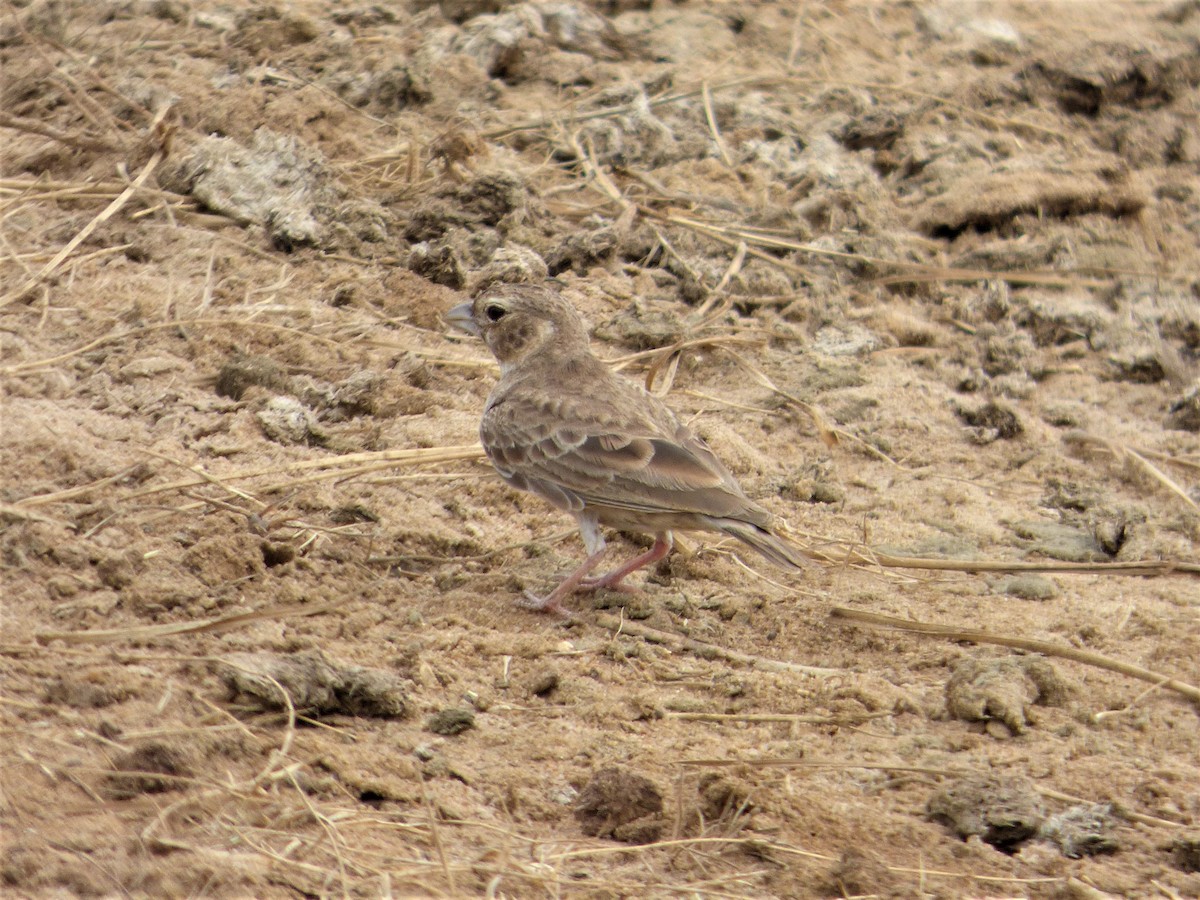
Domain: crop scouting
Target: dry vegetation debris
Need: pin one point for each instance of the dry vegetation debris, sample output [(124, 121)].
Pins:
[(925, 275)]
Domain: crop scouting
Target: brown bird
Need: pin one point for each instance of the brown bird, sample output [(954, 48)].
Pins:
[(562, 424)]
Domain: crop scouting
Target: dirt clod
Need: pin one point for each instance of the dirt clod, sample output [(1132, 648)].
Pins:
[(1029, 587), (94, 689), (1185, 852), (859, 872), (990, 422), (1083, 830), (280, 183), (1184, 413), (288, 421), (1004, 689), (151, 768), (544, 683), (241, 373), (724, 798), (1002, 811), (622, 805), (451, 720), (314, 685)]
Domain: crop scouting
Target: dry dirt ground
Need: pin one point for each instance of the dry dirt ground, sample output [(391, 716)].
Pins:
[(924, 274)]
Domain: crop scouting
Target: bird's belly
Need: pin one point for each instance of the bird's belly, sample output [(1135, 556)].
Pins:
[(651, 522)]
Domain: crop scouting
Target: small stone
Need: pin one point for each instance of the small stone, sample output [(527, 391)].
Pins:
[(438, 262), (860, 873), (723, 797), (478, 701), (1139, 368)]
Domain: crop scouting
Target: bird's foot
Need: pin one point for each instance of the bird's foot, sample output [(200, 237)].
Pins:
[(552, 602), (607, 582)]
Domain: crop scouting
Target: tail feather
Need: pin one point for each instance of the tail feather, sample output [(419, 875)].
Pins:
[(772, 546)]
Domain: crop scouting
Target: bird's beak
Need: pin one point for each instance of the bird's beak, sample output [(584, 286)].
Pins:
[(460, 317)]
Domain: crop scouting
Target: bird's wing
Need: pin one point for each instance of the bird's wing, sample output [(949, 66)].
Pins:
[(577, 457)]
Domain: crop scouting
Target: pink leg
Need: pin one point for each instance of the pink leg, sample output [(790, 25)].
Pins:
[(552, 602), (612, 580)]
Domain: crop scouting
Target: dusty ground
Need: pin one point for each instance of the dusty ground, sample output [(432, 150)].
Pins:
[(966, 233)]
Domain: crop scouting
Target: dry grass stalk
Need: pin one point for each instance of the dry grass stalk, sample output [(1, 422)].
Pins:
[(760, 846), (338, 466), (107, 213), (706, 650), (932, 274), (255, 790), (1126, 814), (33, 126), (787, 762), (909, 272), (1132, 460), (724, 341), (869, 558), (827, 433), (14, 512), (543, 122), (711, 117), (45, 190), (204, 626), (747, 239), (116, 337), (1019, 643), (780, 718), (940, 772), (1190, 463)]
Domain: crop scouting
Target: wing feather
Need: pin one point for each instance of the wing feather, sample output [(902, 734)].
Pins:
[(649, 464)]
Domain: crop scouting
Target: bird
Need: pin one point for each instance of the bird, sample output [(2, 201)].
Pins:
[(562, 424)]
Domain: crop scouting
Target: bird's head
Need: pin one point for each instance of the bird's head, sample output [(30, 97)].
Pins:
[(520, 322)]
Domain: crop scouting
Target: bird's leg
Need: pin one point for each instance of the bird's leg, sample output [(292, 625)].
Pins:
[(612, 580), (593, 542)]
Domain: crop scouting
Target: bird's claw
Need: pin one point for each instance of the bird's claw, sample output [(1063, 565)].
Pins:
[(547, 604)]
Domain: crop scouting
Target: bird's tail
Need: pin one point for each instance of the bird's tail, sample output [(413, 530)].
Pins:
[(775, 548)]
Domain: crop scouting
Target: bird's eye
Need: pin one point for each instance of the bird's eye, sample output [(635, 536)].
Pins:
[(495, 313)]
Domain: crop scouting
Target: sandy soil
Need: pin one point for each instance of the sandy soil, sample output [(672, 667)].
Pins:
[(924, 274)]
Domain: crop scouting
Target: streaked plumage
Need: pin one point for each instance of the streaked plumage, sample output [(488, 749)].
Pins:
[(560, 423)]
